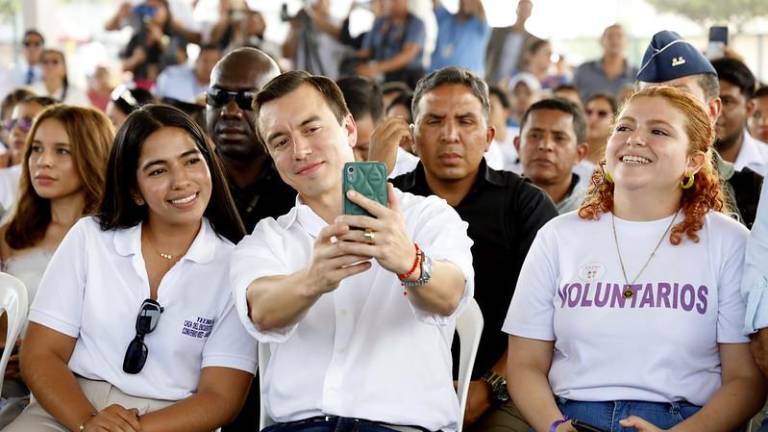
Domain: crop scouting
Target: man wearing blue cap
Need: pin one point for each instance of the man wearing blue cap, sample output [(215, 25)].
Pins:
[(671, 60)]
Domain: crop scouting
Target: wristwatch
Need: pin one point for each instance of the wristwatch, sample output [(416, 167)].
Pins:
[(498, 386), (425, 264)]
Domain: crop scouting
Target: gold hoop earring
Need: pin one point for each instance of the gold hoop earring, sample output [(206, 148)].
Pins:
[(688, 183)]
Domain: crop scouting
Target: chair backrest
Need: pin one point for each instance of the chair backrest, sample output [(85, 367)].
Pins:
[(264, 354), (469, 326), (13, 301)]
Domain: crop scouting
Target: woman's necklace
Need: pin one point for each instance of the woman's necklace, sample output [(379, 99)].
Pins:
[(163, 255), (628, 291)]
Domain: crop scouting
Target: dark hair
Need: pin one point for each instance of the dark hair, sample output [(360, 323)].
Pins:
[(564, 106), (501, 94), (11, 99), (363, 97), (43, 101), (451, 75), (535, 45), (405, 99), (565, 87), (90, 137), (762, 91), (287, 82), (606, 97), (128, 100), (210, 47), (394, 87), (736, 73), (33, 32), (118, 208)]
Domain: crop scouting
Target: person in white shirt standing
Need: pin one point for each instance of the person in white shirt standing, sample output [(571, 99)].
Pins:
[(628, 314), (358, 311)]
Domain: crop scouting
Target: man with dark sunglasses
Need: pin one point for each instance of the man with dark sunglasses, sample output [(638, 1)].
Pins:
[(256, 187)]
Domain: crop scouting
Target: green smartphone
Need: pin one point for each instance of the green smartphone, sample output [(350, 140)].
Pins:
[(367, 178)]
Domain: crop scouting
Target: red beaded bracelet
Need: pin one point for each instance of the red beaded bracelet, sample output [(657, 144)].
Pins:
[(416, 261)]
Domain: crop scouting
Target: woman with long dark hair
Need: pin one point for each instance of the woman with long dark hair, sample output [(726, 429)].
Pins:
[(134, 327)]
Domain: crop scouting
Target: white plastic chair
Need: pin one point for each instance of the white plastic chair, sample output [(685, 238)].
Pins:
[(264, 354), (469, 326), (13, 301)]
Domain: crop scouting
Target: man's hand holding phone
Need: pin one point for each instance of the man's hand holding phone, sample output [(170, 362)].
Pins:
[(381, 236)]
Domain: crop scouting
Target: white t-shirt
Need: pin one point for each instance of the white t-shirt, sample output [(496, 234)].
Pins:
[(660, 345), (93, 289), (9, 186), (363, 350)]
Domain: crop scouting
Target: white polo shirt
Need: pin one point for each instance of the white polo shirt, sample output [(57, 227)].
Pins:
[(753, 154), (93, 289), (363, 350)]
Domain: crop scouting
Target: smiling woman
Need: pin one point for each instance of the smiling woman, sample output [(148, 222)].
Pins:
[(159, 248), (644, 278)]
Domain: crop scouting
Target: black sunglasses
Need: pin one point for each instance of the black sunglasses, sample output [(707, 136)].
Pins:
[(218, 98), (136, 354), (35, 44)]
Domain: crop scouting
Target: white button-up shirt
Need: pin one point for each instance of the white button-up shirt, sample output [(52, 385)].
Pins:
[(363, 350), (753, 154), (93, 289)]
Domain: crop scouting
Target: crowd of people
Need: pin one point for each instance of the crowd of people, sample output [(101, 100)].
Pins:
[(610, 223)]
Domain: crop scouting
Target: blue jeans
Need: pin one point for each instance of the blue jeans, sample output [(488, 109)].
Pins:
[(606, 415), (338, 424)]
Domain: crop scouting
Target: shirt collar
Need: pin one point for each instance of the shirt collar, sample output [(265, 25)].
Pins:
[(202, 250), (749, 154), (416, 180), (303, 215)]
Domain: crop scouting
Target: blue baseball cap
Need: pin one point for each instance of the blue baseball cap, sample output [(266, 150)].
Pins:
[(669, 57)]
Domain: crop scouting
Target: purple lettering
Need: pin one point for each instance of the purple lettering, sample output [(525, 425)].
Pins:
[(687, 304), (562, 296), (585, 301), (636, 293), (674, 296), (647, 296), (702, 306), (617, 296), (664, 290), (600, 302), (573, 301)]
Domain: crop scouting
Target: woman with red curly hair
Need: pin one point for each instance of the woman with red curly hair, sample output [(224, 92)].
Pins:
[(627, 314)]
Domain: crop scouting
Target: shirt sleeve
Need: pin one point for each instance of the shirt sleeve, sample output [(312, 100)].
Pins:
[(531, 312), (754, 284), (229, 344), (416, 32), (442, 235), (731, 307), (59, 300), (252, 259)]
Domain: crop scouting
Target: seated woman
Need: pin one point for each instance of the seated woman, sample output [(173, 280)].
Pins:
[(134, 327), (628, 313), (62, 179), (55, 83)]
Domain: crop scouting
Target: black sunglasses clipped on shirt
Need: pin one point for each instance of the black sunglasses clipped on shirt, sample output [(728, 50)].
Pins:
[(218, 98), (146, 321)]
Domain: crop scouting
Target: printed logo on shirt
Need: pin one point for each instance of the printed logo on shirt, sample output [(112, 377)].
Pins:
[(591, 272), (660, 295), (199, 328)]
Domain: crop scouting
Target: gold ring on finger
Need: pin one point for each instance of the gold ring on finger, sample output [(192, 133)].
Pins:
[(369, 235)]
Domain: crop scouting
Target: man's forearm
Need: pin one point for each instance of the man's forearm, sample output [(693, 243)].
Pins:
[(443, 292), (280, 301)]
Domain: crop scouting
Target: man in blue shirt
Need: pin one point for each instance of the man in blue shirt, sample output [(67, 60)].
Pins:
[(394, 46), (459, 35)]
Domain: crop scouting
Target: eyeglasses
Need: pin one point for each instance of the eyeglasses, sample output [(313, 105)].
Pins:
[(24, 123), (32, 44), (599, 113), (136, 354), (217, 98)]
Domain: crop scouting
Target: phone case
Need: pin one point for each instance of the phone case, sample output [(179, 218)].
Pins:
[(367, 178)]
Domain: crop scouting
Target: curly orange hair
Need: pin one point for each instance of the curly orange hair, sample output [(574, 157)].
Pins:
[(705, 195)]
